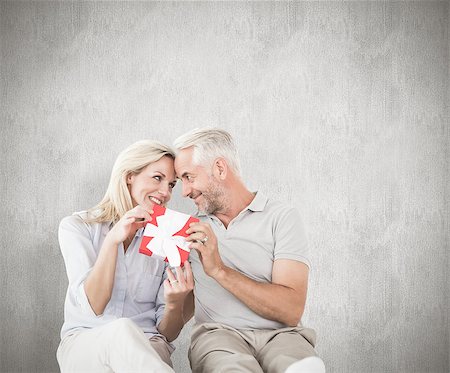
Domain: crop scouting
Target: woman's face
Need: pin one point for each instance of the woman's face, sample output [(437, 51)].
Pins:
[(154, 184)]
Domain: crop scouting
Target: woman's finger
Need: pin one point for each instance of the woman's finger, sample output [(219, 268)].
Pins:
[(147, 215), (167, 287), (170, 276), (180, 276), (142, 215), (142, 209), (141, 224), (130, 219), (138, 218), (139, 211)]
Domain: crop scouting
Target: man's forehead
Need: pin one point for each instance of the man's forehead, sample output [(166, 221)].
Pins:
[(183, 162), (183, 158), (186, 152)]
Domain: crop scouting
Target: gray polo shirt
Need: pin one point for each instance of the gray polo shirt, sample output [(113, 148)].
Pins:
[(262, 233)]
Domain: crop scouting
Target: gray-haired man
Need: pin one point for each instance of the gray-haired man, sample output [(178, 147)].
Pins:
[(250, 267)]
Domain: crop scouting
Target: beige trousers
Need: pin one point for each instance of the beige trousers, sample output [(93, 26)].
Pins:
[(220, 348), (120, 346)]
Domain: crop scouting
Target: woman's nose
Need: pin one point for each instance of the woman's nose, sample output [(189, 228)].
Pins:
[(164, 190)]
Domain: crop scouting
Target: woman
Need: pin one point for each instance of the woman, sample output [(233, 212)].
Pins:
[(122, 308)]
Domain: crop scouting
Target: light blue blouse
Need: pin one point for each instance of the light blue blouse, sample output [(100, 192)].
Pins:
[(138, 292)]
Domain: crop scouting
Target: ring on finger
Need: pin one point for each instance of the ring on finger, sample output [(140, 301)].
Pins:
[(173, 282), (204, 240)]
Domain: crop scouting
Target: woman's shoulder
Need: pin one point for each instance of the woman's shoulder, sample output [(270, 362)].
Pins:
[(76, 220), (81, 219)]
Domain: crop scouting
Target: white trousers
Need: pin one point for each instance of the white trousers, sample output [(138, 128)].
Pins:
[(120, 346)]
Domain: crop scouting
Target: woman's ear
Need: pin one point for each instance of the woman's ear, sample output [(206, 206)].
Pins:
[(129, 178)]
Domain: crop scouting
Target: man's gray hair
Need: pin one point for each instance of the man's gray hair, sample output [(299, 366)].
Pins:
[(210, 144)]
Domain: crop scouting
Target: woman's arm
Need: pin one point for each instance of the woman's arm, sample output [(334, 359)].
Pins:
[(178, 295), (100, 281)]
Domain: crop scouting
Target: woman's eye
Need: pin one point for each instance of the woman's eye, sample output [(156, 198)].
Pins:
[(157, 177), (172, 185)]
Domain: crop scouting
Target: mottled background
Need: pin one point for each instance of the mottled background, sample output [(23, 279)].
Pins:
[(341, 109)]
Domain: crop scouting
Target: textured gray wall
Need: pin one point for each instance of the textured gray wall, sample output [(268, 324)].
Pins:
[(339, 108)]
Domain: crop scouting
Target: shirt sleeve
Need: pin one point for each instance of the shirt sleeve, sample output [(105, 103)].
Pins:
[(79, 257), (290, 237)]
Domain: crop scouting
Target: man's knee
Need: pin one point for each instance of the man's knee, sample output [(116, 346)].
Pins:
[(285, 349), (225, 361)]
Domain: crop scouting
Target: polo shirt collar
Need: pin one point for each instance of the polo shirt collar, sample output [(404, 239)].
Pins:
[(258, 203)]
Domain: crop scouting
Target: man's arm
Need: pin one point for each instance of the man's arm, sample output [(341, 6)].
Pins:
[(282, 300)]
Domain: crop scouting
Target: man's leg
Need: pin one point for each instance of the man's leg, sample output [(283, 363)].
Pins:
[(284, 347), (215, 348), (160, 345), (119, 346)]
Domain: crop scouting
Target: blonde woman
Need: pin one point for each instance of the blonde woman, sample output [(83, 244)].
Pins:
[(122, 308)]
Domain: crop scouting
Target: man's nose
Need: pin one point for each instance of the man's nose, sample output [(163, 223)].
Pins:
[(186, 190)]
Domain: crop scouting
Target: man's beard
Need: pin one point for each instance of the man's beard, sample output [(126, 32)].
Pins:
[(213, 198)]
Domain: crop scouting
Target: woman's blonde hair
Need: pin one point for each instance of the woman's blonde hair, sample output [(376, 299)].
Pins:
[(117, 200)]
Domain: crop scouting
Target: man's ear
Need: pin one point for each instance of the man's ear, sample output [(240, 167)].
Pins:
[(220, 168)]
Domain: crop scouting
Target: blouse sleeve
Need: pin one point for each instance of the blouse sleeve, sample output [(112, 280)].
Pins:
[(79, 257)]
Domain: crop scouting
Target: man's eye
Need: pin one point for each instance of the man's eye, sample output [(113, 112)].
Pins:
[(189, 178)]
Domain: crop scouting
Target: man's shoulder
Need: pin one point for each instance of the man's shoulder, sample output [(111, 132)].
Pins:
[(278, 207)]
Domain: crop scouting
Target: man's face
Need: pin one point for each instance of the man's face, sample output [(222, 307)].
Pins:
[(199, 184)]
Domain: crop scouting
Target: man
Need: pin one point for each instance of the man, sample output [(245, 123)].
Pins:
[(250, 267)]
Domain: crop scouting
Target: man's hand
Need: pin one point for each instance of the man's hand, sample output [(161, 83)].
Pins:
[(204, 240)]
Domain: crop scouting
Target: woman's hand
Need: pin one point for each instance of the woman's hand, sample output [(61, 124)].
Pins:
[(177, 288), (127, 226), (179, 299)]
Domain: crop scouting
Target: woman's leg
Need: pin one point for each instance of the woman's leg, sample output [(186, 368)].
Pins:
[(119, 346)]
